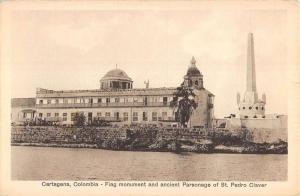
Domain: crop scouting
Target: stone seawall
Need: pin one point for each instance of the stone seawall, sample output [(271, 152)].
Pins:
[(144, 139), (52, 134), (267, 135)]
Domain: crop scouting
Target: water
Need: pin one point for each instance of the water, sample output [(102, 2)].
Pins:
[(44, 163)]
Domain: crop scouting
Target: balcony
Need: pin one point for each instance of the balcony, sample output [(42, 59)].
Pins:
[(100, 105)]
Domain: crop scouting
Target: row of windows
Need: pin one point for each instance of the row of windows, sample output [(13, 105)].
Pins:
[(250, 108), (135, 115), (255, 116), (101, 100)]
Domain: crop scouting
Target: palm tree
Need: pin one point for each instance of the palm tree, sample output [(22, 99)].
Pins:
[(184, 104)]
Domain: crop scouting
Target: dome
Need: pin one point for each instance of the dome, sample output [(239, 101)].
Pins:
[(116, 74), (193, 71)]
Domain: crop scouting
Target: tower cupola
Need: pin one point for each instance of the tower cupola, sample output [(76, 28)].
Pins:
[(193, 77), (116, 79)]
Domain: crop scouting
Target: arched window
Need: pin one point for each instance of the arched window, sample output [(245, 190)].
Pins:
[(256, 108), (243, 108), (250, 108)]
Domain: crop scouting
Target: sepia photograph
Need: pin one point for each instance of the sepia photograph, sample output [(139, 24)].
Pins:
[(149, 93)]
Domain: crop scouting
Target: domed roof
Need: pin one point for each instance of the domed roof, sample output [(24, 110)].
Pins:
[(193, 70), (116, 74)]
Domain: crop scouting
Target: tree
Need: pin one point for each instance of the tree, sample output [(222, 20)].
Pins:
[(79, 119), (184, 104)]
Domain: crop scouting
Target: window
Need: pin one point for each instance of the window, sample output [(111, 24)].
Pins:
[(65, 116), (99, 100), (196, 82), (154, 116), (243, 108), (107, 100), (164, 115), (107, 114), (125, 116), (99, 114), (24, 115), (73, 116), (145, 116), (40, 115), (145, 100), (91, 100), (41, 101), (117, 99), (262, 108), (56, 101), (135, 116), (56, 114), (246, 116), (48, 114), (165, 100), (116, 115), (256, 108), (48, 101), (250, 108)]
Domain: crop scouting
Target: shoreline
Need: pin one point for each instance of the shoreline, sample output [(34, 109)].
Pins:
[(227, 150)]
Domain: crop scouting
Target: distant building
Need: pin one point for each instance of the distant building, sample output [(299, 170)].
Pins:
[(117, 100), (22, 109)]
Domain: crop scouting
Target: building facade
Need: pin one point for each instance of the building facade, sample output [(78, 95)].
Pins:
[(117, 101), (23, 109)]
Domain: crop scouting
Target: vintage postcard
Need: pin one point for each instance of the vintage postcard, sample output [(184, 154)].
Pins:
[(149, 97)]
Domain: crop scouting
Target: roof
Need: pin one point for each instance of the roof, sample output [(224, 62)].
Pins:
[(23, 102), (116, 74), (168, 91), (99, 92), (193, 71)]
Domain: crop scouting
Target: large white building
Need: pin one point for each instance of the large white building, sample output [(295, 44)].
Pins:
[(117, 100)]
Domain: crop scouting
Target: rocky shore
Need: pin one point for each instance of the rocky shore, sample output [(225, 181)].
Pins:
[(144, 139)]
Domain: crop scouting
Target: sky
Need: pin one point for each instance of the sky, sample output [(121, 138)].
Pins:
[(65, 49)]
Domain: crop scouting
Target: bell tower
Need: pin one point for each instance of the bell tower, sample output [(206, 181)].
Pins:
[(193, 77)]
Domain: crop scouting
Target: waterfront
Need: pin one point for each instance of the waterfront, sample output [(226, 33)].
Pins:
[(45, 163)]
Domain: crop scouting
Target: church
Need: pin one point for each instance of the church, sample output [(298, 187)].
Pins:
[(116, 100)]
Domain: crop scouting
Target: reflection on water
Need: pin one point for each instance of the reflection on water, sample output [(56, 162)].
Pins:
[(42, 163)]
